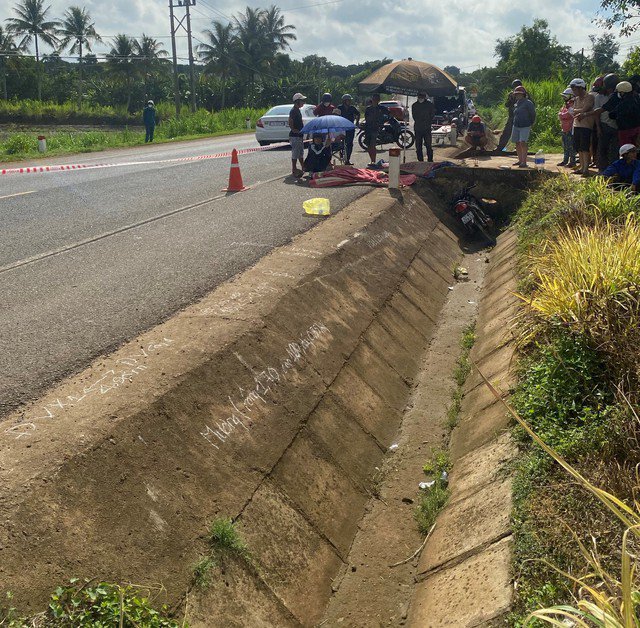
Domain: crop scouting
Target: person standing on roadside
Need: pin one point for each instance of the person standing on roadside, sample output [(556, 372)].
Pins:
[(351, 113), (149, 119), (582, 125), (627, 114), (566, 122), (295, 135), (326, 106), (375, 116), (605, 103), (596, 90), (524, 117), (423, 111), (508, 126)]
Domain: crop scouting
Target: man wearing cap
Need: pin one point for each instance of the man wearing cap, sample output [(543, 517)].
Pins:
[(476, 135), (295, 135), (582, 125), (351, 113), (524, 117), (508, 126), (423, 111), (149, 119), (626, 170)]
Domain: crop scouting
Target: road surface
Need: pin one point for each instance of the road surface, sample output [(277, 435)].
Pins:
[(91, 258)]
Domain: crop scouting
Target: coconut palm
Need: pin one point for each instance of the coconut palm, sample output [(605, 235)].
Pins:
[(77, 29), (32, 24), (220, 53), (150, 51), (121, 63), (8, 50), (278, 34), (254, 49)]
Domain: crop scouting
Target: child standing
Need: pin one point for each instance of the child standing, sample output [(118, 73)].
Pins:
[(566, 120)]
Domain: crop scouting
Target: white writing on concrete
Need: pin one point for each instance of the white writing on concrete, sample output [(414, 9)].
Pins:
[(237, 301), (264, 384), (111, 380)]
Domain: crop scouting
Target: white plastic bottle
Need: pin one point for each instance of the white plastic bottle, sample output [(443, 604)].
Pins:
[(539, 160)]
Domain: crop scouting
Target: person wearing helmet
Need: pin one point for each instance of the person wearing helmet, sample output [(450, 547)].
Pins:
[(508, 127), (605, 102), (295, 134), (319, 154), (524, 117), (566, 122), (348, 111), (149, 119), (476, 135), (326, 106), (627, 114), (626, 170), (423, 111), (582, 125)]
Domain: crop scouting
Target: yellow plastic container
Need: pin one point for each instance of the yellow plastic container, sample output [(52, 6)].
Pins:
[(317, 206)]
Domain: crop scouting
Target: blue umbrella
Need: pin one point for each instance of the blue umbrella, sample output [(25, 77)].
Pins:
[(328, 124)]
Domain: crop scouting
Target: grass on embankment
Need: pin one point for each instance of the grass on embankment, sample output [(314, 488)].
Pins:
[(579, 246), (24, 145)]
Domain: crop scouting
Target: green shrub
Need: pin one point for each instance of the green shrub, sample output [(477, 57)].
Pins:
[(104, 605), (565, 396)]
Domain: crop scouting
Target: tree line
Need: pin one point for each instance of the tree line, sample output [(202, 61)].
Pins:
[(240, 63)]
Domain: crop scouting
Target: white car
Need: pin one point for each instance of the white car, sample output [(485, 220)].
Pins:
[(273, 126)]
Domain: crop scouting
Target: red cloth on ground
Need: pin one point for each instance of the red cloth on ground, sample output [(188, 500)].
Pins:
[(355, 176)]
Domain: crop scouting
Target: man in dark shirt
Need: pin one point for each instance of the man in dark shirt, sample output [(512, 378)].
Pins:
[(295, 136), (423, 111), (476, 135), (149, 118), (375, 115), (351, 113), (508, 126)]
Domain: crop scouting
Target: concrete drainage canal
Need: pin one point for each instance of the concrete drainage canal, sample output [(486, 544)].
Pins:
[(257, 457)]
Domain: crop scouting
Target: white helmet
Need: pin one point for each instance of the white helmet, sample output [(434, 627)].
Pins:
[(578, 82), (625, 87)]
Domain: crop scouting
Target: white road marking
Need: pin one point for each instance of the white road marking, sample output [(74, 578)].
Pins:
[(16, 194)]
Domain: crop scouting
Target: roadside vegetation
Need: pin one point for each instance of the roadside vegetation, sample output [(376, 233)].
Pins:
[(84, 604), (22, 145), (223, 542), (579, 246)]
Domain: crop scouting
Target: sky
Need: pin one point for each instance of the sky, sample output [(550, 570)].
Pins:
[(459, 33)]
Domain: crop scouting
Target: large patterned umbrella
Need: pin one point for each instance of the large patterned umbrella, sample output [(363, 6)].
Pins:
[(408, 78)]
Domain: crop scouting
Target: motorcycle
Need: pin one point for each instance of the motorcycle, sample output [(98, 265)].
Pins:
[(469, 211), (390, 132)]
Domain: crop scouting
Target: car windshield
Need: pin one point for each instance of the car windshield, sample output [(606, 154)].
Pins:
[(280, 110)]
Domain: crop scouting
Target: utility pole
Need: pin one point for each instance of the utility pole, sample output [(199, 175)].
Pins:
[(183, 23), (581, 62)]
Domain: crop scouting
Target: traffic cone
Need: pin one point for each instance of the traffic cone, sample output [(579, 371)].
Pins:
[(235, 176)]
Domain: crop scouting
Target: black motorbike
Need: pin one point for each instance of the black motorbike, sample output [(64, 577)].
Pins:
[(469, 211), (392, 131)]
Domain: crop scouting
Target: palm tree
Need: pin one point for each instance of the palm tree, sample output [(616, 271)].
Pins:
[(220, 53), (254, 49), (77, 27), (32, 24), (150, 52), (277, 32), (8, 49), (121, 64)]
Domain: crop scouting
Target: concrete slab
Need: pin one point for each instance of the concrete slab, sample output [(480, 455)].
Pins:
[(470, 594), (469, 525)]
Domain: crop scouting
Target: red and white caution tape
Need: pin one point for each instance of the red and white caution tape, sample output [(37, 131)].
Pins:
[(66, 167)]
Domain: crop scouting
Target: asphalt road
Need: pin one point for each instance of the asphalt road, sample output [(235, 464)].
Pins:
[(91, 258)]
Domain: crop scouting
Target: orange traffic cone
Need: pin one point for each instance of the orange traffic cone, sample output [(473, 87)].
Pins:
[(235, 176)]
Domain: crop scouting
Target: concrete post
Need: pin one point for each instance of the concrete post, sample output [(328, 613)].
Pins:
[(394, 168)]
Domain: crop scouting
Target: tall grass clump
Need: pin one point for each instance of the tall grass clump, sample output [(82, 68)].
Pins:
[(575, 403)]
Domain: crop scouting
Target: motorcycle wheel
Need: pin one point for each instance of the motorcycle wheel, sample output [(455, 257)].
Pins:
[(362, 141), (489, 238), (405, 139)]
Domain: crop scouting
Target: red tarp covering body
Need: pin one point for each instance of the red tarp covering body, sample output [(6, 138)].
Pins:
[(355, 176)]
